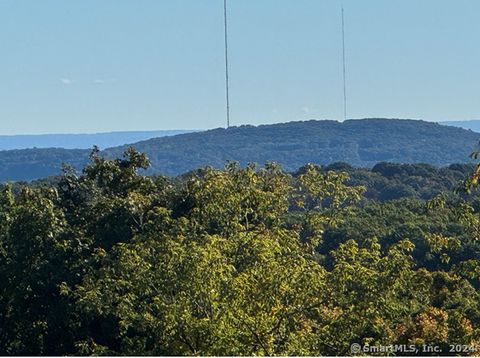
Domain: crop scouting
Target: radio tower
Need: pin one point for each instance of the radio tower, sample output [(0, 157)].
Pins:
[(227, 96)]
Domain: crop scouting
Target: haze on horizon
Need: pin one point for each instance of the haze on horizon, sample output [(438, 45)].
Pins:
[(121, 65)]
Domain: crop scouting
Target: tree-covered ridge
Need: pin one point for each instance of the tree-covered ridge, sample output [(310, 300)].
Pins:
[(238, 261), (31, 164), (361, 143)]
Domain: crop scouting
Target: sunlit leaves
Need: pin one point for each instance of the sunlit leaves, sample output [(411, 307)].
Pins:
[(239, 261)]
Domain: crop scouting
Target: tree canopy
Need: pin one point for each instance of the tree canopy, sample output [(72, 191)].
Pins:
[(235, 261)]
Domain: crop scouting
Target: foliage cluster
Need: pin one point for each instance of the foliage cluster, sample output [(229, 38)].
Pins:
[(389, 181), (239, 261)]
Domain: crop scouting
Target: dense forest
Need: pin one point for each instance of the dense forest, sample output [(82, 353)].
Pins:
[(362, 143), (244, 260)]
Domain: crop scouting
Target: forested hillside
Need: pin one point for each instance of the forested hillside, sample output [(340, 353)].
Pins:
[(361, 143), (30, 164), (358, 142), (239, 261)]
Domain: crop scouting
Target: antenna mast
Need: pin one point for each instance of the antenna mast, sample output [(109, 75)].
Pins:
[(227, 97), (344, 71)]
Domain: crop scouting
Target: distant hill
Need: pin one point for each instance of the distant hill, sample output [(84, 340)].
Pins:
[(362, 143), (473, 124), (30, 164), (80, 141)]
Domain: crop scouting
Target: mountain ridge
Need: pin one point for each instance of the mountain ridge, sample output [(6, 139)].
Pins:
[(360, 142), (321, 142)]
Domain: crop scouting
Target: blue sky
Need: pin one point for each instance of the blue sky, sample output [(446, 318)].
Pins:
[(108, 65)]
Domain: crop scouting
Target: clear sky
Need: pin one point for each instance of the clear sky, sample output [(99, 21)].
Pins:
[(109, 65)]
